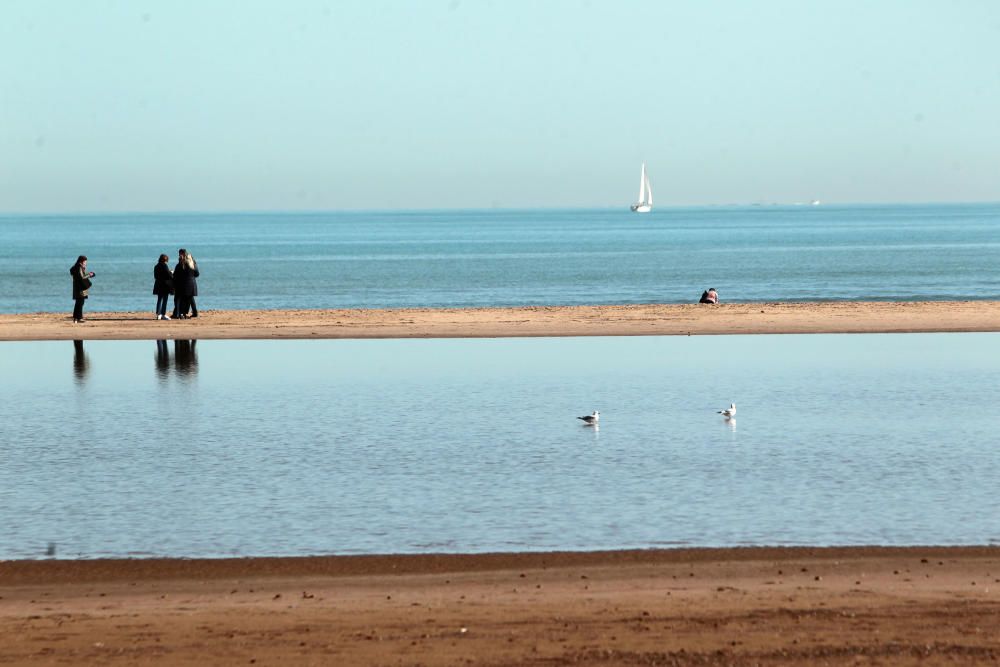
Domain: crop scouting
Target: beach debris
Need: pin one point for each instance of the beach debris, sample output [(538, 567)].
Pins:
[(50, 550), (592, 419), (730, 413)]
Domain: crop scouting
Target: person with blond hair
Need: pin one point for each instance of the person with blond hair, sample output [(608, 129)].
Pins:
[(185, 285)]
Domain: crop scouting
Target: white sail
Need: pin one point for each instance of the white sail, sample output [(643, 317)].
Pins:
[(645, 203)]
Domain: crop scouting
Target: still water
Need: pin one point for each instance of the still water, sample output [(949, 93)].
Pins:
[(238, 448)]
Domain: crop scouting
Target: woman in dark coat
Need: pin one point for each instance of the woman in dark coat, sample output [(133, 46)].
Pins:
[(186, 285), (163, 287), (81, 285)]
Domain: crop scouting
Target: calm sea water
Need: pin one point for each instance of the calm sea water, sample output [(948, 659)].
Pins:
[(235, 448), (492, 258)]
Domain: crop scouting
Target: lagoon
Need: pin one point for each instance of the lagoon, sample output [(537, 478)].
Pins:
[(250, 448)]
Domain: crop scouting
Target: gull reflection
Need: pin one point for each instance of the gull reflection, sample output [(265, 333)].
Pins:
[(80, 362), (185, 357)]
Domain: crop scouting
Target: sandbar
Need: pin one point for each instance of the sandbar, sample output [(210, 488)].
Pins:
[(741, 606), (613, 320)]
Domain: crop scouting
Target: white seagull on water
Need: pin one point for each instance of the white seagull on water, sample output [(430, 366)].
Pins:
[(730, 413), (592, 419)]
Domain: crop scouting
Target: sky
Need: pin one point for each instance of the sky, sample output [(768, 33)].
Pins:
[(203, 105)]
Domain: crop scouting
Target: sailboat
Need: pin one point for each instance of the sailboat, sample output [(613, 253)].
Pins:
[(645, 203)]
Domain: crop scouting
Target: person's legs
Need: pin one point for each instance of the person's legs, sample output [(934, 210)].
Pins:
[(177, 305), (78, 310), (194, 306), (161, 305)]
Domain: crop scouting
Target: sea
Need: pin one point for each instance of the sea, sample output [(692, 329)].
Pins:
[(216, 448), (481, 258)]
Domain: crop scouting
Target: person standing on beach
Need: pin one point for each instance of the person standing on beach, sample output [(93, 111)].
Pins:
[(81, 286), (178, 276), (185, 285), (192, 284), (163, 286)]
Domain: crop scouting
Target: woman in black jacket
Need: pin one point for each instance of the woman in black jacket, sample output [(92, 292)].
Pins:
[(186, 285), (81, 285), (163, 287)]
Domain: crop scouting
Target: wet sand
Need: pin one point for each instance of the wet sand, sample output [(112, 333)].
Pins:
[(635, 320), (769, 606)]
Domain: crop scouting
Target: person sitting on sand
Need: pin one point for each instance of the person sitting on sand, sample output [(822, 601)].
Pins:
[(709, 296)]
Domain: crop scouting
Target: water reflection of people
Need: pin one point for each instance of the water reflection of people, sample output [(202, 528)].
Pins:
[(185, 357), (80, 362), (162, 359)]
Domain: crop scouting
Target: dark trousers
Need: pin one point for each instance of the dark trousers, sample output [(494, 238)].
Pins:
[(161, 303), (78, 308), (184, 305)]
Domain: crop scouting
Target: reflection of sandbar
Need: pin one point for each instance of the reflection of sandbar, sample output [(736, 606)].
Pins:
[(632, 320)]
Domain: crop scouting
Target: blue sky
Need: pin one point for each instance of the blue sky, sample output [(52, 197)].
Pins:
[(212, 105)]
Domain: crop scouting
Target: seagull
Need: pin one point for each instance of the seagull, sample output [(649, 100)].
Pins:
[(592, 419), (730, 413)]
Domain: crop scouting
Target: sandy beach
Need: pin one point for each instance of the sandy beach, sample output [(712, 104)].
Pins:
[(634, 320), (768, 606)]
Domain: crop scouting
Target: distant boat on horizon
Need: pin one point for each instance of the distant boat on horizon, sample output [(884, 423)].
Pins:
[(645, 203)]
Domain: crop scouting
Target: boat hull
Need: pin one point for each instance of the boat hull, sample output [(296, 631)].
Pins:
[(641, 208)]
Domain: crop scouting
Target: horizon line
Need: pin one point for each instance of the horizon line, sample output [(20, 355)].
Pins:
[(623, 208)]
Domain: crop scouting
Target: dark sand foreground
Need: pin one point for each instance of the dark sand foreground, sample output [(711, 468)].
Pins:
[(635, 320), (838, 606)]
